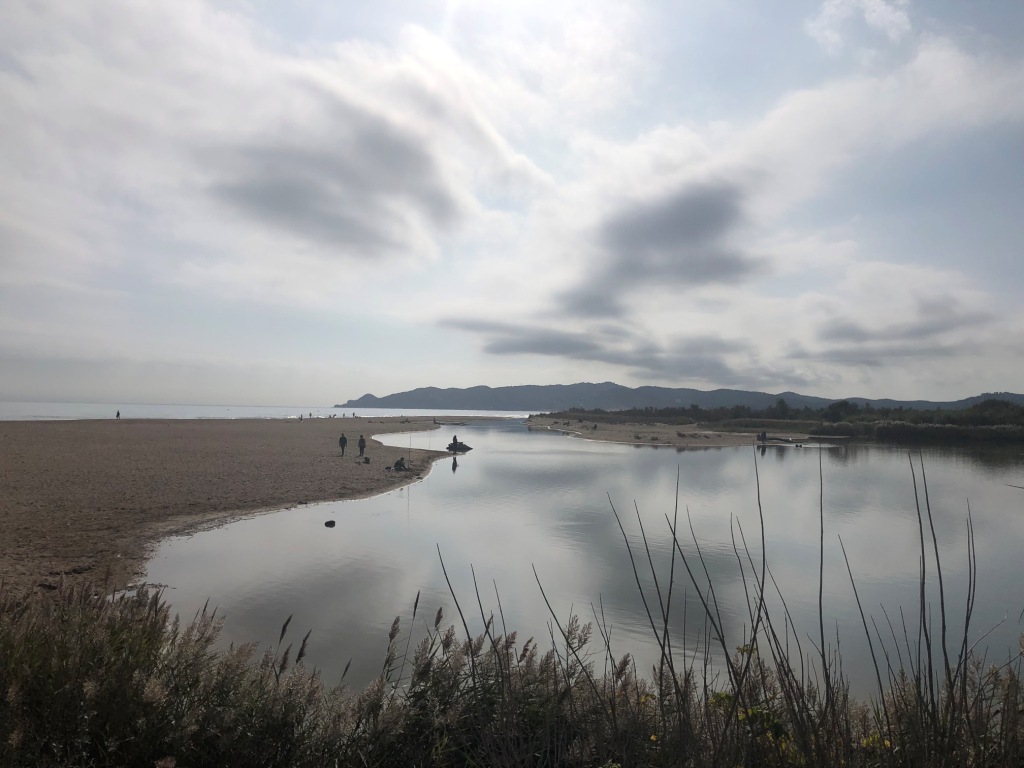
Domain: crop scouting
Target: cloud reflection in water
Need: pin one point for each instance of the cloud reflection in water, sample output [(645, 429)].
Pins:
[(524, 499)]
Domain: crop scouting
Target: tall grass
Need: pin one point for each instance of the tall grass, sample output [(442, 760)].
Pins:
[(88, 680)]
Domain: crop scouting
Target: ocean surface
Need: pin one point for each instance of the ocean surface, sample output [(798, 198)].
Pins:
[(27, 411)]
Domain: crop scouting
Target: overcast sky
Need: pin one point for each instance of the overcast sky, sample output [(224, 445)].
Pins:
[(299, 203)]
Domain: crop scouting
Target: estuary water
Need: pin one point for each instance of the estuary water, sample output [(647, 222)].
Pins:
[(526, 510)]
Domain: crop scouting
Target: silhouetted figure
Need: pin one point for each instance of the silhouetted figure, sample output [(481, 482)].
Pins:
[(342, 442), (456, 447), (118, 414), (455, 463), (361, 444)]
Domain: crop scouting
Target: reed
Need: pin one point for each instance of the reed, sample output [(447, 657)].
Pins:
[(92, 680)]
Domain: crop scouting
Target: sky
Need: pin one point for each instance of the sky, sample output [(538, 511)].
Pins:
[(299, 203)]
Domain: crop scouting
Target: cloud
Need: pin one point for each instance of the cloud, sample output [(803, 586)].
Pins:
[(889, 18), (677, 241), (677, 232), (937, 317), (541, 164), (882, 314), (800, 148), (227, 158), (566, 62), (877, 355), (698, 357), (351, 166), (371, 195)]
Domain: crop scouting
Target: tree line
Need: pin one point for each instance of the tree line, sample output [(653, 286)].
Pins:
[(989, 413)]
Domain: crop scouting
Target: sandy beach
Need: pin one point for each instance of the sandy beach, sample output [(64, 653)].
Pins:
[(88, 499)]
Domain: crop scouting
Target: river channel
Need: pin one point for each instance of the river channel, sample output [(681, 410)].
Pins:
[(524, 506)]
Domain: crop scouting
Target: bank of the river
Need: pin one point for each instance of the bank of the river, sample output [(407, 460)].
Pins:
[(88, 499), (678, 435)]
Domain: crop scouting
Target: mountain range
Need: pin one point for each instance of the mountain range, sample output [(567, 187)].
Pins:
[(608, 396)]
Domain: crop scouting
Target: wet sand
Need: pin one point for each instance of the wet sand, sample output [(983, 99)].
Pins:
[(89, 499)]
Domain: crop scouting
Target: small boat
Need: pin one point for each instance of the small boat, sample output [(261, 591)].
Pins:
[(458, 447)]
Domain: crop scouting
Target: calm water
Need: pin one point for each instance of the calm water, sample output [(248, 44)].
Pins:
[(536, 499)]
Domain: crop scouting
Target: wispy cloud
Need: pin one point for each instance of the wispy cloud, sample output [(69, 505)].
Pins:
[(889, 17), (703, 357)]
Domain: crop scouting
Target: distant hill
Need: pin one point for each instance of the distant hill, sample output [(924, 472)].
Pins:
[(615, 397)]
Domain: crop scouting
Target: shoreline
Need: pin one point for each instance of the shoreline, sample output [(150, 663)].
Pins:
[(680, 437), (89, 500)]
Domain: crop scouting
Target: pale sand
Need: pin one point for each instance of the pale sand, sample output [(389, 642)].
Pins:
[(89, 499), (679, 436)]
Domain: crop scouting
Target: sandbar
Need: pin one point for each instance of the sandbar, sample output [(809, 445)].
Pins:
[(88, 500), (687, 436)]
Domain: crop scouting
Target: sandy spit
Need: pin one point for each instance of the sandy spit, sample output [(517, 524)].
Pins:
[(686, 436), (89, 499)]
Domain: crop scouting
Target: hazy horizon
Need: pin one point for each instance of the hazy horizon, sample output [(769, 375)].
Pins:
[(343, 402), (250, 202)]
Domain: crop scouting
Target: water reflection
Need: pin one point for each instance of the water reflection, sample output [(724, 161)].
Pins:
[(537, 499)]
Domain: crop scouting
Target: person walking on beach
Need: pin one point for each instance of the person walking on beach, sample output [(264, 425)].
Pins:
[(342, 442), (361, 444), (119, 415)]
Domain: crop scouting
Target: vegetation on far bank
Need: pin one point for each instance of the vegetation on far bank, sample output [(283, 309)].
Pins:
[(90, 680), (988, 422)]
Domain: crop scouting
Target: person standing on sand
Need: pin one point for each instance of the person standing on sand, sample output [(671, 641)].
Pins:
[(361, 444), (119, 415), (342, 442)]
